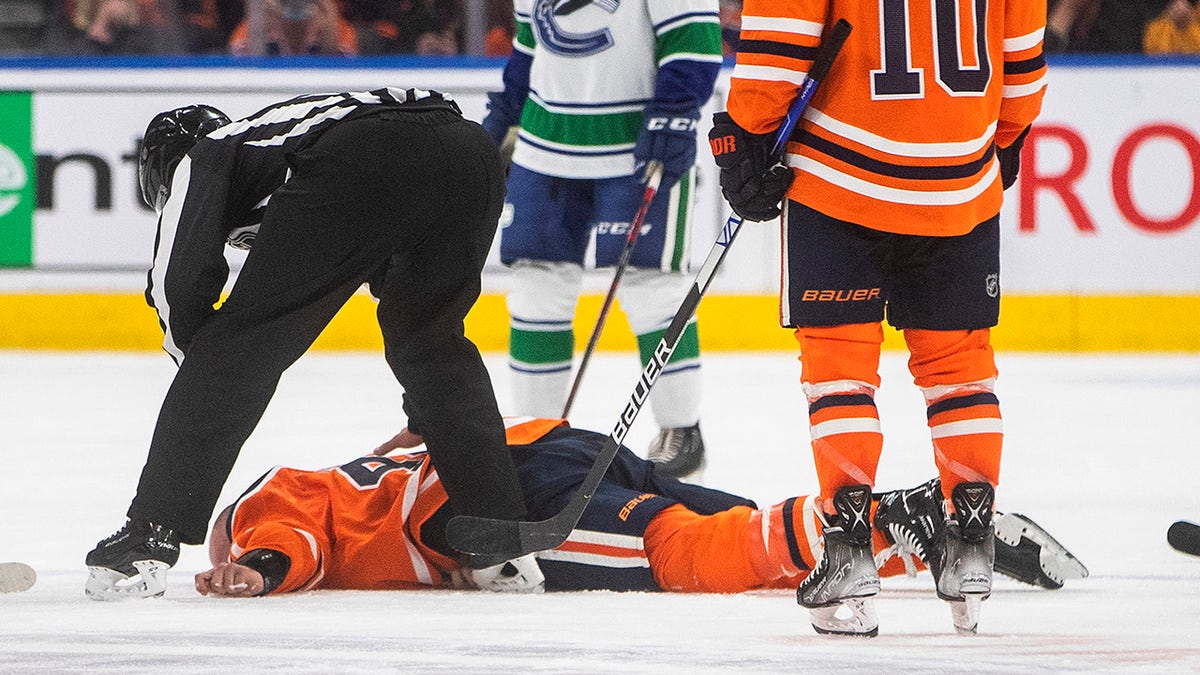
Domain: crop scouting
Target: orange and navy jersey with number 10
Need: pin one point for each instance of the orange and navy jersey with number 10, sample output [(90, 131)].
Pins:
[(901, 136)]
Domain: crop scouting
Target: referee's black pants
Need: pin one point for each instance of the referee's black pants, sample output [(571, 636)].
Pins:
[(407, 201)]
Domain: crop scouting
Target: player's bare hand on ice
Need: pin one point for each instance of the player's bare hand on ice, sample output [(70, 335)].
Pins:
[(229, 580)]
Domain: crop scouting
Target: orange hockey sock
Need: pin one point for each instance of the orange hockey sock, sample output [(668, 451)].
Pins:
[(956, 372), (840, 373), (741, 549)]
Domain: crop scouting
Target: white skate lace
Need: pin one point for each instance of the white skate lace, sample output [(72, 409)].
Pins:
[(907, 542), (907, 547)]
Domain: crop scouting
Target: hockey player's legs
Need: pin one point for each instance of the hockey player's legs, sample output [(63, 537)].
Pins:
[(834, 293), (650, 293), (946, 301), (956, 373), (654, 286), (741, 548), (946, 298), (544, 240), (425, 291), (736, 550)]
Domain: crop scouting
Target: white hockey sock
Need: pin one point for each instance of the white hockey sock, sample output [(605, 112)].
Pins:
[(541, 346), (650, 299), (675, 398)]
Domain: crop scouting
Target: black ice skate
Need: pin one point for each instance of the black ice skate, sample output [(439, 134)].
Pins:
[(963, 568), (1027, 553), (132, 563), (839, 592), (678, 452), (913, 522)]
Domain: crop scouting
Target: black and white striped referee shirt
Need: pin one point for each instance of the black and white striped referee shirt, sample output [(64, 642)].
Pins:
[(220, 189)]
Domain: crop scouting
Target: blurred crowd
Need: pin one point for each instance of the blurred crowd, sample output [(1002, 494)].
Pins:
[(1123, 26), (252, 27), (447, 27)]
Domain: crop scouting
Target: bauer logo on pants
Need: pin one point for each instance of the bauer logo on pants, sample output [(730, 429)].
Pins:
[(16, 188)]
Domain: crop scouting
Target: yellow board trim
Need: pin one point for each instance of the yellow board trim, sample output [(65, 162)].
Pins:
[(1067, 323)]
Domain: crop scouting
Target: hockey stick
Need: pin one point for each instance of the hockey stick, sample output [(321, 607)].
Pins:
[(653, 176), (1184, 536), (511, 538)]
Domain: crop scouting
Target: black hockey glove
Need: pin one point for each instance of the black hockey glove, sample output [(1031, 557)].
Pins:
[(1010, 160), (669, 136), (752, 181)]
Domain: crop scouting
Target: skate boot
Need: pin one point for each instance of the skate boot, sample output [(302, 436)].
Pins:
[(913, 522), (963, 567), (132, 563), (1027, 553), (839, 592), (678, 452)]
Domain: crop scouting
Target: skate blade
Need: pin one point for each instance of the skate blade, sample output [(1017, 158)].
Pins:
[(16, 577), (965, 613), (110, 585), (1055, 560), (852, 616)]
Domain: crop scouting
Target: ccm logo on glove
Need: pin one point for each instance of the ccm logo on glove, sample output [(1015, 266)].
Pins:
[(671, 123)]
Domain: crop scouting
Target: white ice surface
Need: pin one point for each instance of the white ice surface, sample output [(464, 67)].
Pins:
[(1100, 449)]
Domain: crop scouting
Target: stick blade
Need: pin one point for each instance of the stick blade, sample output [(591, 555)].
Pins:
[(507, 538)]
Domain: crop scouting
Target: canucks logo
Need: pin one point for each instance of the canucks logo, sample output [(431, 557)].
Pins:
[(553, 36), (12, 179)]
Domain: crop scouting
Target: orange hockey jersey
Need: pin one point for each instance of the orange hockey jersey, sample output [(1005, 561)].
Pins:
[(358, 525), (901, 136)]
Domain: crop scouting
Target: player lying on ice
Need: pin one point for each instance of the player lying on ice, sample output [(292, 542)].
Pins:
[(377, 522)]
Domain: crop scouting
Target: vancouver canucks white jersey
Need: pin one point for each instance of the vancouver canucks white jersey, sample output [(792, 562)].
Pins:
[(596, 65)]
